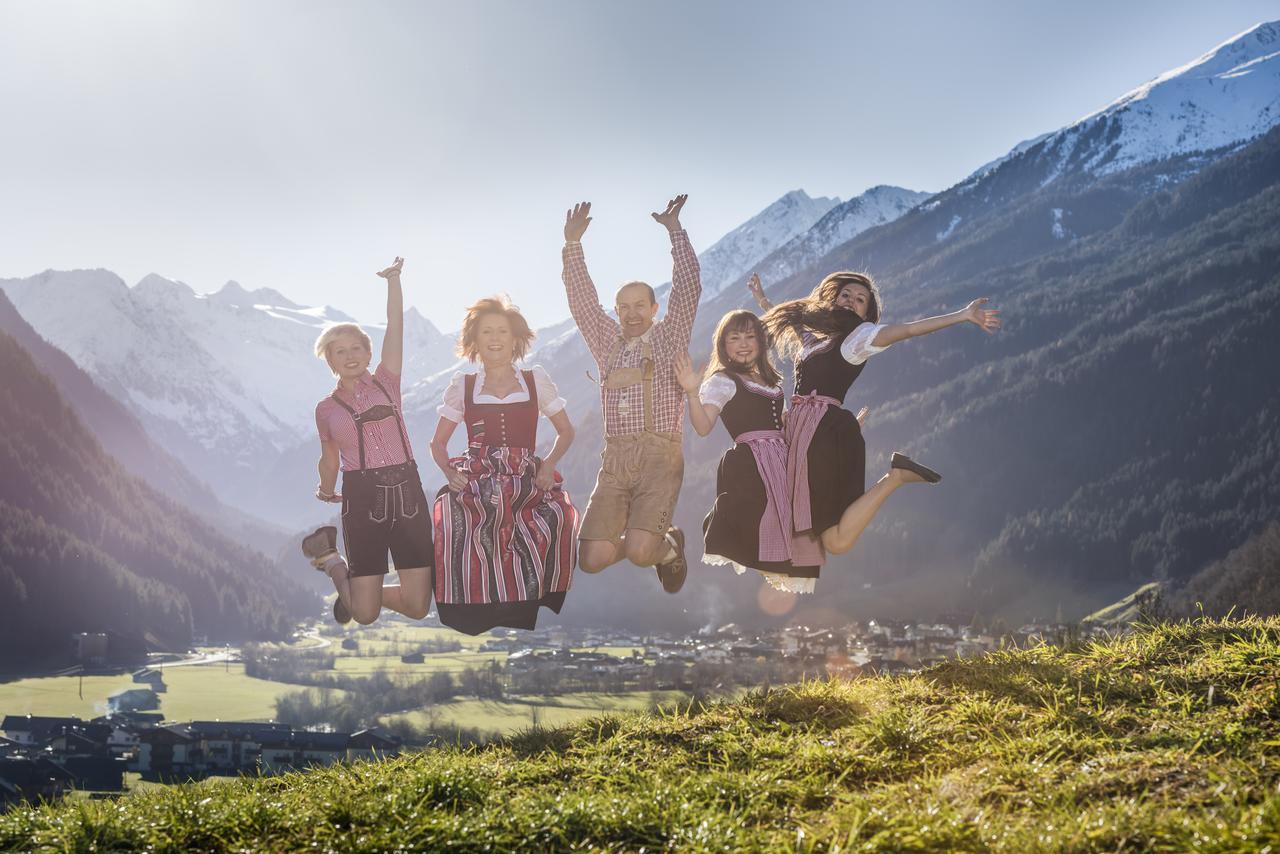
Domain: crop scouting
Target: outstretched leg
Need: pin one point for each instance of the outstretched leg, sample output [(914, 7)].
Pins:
[(842, 536)]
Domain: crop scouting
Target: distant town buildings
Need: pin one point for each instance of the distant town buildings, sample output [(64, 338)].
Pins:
[(45, 757)]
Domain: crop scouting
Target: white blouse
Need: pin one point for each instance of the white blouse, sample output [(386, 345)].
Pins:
[(718, 389), (856, 347), (549, 400)]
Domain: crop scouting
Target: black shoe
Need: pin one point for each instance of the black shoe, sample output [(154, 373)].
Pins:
[(902, 461), (340, 613), (319, 544), (673, 573)]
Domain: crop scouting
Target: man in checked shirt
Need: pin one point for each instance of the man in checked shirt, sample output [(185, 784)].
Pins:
[(629, 514)]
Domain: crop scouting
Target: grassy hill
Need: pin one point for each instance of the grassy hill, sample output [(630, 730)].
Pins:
[(1167, 739)]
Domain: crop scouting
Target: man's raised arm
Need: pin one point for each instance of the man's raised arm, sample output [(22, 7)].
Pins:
[(686, 279), (597, 328)]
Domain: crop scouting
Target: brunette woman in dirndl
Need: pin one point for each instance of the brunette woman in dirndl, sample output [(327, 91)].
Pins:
[(506, 532), (749, 525)]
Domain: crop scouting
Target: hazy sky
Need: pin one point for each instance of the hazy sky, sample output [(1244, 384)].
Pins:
[(302, 145)]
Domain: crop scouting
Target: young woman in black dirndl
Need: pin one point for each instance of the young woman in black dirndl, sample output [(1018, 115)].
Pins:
[(749, 525), (363, 434), (831, 334), (506, 533)]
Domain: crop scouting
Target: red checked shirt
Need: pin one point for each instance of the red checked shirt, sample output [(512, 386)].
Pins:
[(382, 446), (668, 337)]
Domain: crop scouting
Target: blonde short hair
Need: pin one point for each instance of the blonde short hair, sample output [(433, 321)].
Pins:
[(332, 331)]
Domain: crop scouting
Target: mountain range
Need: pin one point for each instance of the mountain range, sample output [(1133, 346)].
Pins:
[(1114, 431)]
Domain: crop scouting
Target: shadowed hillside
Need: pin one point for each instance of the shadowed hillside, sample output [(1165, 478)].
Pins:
[(85, 546)]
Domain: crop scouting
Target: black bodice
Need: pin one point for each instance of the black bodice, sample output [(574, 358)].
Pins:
[(751, 409), (826, 371)]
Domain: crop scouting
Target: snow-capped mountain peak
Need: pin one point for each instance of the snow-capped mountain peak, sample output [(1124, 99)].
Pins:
[(1221, 99), (878, 205), (234, 294), (732, 256)]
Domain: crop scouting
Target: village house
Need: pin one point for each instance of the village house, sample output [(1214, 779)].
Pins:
[(133, 700)]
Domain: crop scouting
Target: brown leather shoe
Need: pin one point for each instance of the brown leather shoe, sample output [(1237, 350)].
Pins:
[(319, 545), (673, 573), (341, 615)]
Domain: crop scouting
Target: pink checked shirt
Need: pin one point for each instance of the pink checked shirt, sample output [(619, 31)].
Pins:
[(667, 337), (382, 446)]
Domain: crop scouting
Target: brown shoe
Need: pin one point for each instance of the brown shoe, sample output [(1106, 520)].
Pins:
[(673, 573), (340, 613), (319, 545)]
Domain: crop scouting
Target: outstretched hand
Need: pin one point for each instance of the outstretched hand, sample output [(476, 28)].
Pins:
[(986, 319), (671, 216), (682, 367), (576, 221), (392, 272), (862, 415)]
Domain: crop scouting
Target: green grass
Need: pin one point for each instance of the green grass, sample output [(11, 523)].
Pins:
[(512, 715), (1166, 740)]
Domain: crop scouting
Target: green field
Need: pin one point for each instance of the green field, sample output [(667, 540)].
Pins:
[(195, 692), (222, 692), (515, 714)]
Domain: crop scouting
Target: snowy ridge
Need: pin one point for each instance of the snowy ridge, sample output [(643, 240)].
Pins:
[(1223, 98), (233, 370), (732, 256), (877, 206)]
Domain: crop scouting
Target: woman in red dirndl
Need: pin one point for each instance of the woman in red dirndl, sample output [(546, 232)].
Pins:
[(506, 532)]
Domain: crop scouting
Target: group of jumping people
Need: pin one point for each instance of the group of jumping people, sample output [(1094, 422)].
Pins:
[(502, 537)]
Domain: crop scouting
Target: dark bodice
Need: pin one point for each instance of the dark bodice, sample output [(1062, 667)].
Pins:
[(751, 408), (826, 371), (512, 425)]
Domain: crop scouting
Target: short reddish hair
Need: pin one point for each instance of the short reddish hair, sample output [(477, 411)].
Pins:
[(500, 304)]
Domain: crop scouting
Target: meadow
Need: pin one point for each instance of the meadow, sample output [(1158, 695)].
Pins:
[(1167, 739), (222, 691)]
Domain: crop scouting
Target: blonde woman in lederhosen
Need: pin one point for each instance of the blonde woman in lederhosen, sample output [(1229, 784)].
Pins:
[(363, 434), (505, 530)]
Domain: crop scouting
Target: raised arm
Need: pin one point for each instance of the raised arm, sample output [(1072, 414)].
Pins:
[(757, 291), (701, 415), (393, 341), (686, 279), (597, 327), (986, 319)]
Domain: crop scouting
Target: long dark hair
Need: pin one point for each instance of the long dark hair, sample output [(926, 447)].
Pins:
[(741, 321), (818, 312)]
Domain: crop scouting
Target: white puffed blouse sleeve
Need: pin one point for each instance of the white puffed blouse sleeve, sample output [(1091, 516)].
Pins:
[(454, 404), (857, 347), (717, 390), (549, 400)]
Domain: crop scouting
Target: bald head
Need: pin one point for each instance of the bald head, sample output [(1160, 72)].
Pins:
[(636, 306)]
